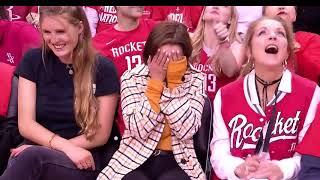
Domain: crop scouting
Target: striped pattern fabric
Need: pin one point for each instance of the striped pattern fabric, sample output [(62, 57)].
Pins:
[(182, 107)]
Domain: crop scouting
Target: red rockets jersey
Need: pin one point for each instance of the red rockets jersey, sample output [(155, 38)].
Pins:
[(188, 15), (245, 120), (124, 48), (18, 13), (213, 83), (108, 17), (308, 56)]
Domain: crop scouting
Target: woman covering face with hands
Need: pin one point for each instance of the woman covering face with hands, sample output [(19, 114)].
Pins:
[(255, 136), (162, 103)]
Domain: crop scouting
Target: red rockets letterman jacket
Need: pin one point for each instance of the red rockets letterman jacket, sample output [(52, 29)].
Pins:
[(239, 119)]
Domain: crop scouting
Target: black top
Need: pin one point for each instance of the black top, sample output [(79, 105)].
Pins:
[(55, 90)]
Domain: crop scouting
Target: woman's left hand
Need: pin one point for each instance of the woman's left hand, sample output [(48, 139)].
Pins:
[(16, 151), (268, 170)]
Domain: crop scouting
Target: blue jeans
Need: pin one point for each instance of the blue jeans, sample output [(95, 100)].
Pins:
[(41, 163)]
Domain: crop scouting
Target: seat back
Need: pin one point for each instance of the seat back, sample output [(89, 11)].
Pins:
[(203, 137)]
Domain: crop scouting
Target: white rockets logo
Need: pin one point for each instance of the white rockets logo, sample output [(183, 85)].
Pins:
[(241, 130), (10, 58)]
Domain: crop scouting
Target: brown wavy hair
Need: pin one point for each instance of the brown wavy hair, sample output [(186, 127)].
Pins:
[(198, 39), (167, 32), (247, 42), (85, 103)]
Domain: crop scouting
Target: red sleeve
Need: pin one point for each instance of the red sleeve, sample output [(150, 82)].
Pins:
[(5, 81), (308, 57), (310, 144)]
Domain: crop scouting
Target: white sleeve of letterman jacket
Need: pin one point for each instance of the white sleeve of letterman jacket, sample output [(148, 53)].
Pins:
[(291, 166), (221, 159), (93, 18)]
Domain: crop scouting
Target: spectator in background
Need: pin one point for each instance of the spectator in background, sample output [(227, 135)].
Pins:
[(16, 37), (308, 19), (33, 16), (67, 97), (162, 103), (18, 13), (306, 44), (217, 50), (103, 17), (187, 15), (247, 14), (260, 118), (123, 42)]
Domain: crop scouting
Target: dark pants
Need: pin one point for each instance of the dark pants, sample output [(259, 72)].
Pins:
[(9, 138), (310, 168), (41, 163), (162, 167)]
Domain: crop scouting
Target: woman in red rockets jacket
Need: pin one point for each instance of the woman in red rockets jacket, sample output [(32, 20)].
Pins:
[(260, 118), (306, 44), (217, 49), (124, 42), (310, 150)]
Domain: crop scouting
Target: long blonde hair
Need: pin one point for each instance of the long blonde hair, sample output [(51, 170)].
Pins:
[(85, 103), (198, 38), (247, 43)]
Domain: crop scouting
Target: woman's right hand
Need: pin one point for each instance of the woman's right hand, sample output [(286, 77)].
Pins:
[(250, 165), (158, 65), (81, 157)]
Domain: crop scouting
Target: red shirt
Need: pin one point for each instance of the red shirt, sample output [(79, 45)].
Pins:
[(124, 49), (18, 13), (213, 83), (308, 56), (16, 37), (188, 15), (108, 16)]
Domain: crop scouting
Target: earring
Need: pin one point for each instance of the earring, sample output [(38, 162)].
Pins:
[(285, 64)]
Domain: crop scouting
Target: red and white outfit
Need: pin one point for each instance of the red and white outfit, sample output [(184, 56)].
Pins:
[(308, 56), (187, 15), (104, 17), (124, 49), (239, 119), (213, 83)]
